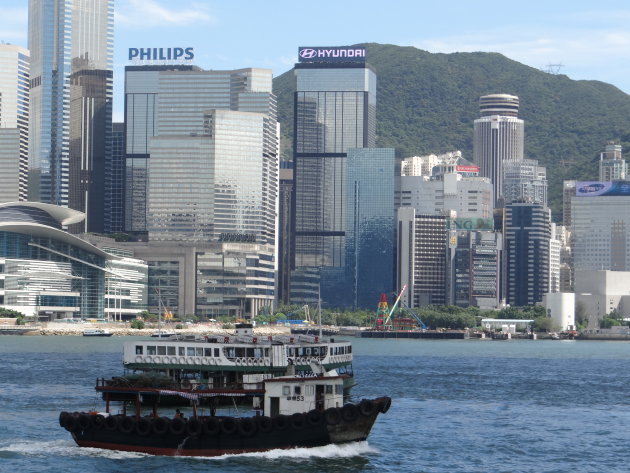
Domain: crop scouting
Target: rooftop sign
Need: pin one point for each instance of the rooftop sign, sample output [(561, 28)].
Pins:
[(331, 54), (161, 55)]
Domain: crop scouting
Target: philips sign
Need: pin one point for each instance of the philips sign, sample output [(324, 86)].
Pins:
[(331, 54), (161, 54)]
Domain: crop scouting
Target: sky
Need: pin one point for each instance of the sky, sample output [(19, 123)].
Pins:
[(586, 40)]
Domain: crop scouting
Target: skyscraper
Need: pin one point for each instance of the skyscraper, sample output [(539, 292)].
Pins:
[(612, 166), (14, 98), (498, 137), (202, 184), (527, 235), (71, 45), (335, 109)]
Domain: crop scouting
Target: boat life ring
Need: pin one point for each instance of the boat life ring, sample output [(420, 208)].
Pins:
[(194, 426), (126, 424), (157, 359), (160, 425), (349, 412), (143, 426), (84, 421), (228, 425), (211, 426), (62, 417), (265, 425), (186, 384), (247, 426), (70, 422), (98, 421), (174, 360), (333, 416), (314, 417), (385, 404), (212, 361), (205, 361), (111, 423), (177, 426), (267, 362), (250, 361), (367, 408), (182, 360), (197, 360), (147, 359), (138, 359), (280, 422), (190, 360), (297, 421)]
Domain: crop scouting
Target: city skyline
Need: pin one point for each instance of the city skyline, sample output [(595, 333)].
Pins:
[(581, 41)]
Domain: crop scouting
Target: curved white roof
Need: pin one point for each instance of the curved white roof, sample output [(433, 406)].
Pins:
[(63, 215)]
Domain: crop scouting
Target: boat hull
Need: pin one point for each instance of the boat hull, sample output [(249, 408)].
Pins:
[(213, 436)]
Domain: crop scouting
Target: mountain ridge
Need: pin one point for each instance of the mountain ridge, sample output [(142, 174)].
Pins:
[(427, 103)]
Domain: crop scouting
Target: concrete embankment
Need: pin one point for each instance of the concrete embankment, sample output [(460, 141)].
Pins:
[(68, 329)]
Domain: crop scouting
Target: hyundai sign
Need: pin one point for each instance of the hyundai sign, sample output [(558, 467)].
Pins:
[(154, 55), (597, 188), (331, 54)]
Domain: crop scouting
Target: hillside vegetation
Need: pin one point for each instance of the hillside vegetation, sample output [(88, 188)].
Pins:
[(426, 103)]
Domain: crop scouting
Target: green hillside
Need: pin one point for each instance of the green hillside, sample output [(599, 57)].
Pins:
[(426, 103)]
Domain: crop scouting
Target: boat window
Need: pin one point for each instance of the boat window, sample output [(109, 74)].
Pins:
[(190, 351), (350, 349), (329, 389), (199, 351), (297, 390), (240, 352), (286, 390), (258, 352), (309, 390), (139, 349), (338, 388), (250, 352), (151, 350), (170, 350), (161, 350), (291, 352), (315, 350), (181, 351), (207, 351), (308, 351), (229, 352), (216, 352)]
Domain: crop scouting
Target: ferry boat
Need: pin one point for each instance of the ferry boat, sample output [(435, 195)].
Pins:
[(231, 361), (291, 411)]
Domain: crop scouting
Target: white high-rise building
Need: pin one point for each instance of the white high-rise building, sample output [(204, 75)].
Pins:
[(14, 113), (524, 181), (601, 232), (498, 136)]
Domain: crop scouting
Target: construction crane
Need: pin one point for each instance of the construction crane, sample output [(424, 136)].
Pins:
[(403, 323)]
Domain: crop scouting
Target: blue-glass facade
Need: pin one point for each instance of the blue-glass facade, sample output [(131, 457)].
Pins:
[(335, 109)]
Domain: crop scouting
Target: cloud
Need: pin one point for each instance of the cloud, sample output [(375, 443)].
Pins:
[(150, 14)]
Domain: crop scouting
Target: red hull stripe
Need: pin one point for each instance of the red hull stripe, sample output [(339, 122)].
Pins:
[(170, 451)]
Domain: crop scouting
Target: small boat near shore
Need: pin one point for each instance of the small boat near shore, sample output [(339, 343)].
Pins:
[(97, 332)]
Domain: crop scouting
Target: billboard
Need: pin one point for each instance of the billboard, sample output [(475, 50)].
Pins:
[(460, 168), (331, 54), (599, 188), (161, 54), (471, 224)]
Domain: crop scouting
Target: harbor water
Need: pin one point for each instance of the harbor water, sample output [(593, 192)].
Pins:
[(457, 406)]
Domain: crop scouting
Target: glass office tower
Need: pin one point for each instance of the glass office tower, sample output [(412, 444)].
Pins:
[(335, 109), (71, 45), (14, 97)]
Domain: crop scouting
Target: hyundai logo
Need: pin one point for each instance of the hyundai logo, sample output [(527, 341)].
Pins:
[(308, 53)]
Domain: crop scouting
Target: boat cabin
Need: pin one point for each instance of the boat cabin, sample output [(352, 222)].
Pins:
[(290, 395)]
